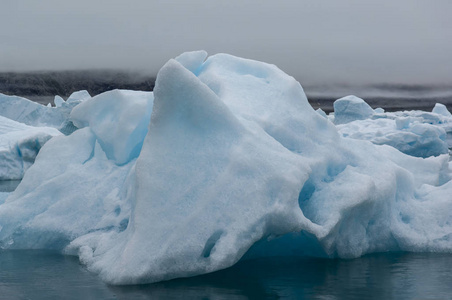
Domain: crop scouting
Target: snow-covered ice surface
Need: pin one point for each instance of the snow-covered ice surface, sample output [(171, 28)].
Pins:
[(19, 145), (25, 126), (34, 114), (415, 133), (232, 163), (351, 108)]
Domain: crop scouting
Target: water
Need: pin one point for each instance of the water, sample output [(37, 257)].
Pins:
[(35, 274)]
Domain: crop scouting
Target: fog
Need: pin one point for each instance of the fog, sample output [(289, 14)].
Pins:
[(315, 41)]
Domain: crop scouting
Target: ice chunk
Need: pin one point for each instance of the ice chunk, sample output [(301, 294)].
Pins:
[(79, 96), (416, 133), (28, 112), (405, 134), (441, 109), (379, 110), (119, 120), (58, 101), (19, 145), (351, 108), (72, 190), (67, 127), (356, 179), (215, 166), (34, 114)]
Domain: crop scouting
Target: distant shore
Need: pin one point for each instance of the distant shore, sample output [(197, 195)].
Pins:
[(43, 86)]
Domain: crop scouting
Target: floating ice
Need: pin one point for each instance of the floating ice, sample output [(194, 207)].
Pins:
[(19, 145), (58, 101), (351, 108), (441, 109), (34, 114), (78, 97), (235, 164), (415, 133), (28, 112), (75, 189)]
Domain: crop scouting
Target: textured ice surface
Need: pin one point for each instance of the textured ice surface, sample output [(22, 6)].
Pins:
[(351, 108), (58, 101), (19, 145), (441, 109), (28, 112), (78, 97), (76, 189), (34, 114), (119, 119), (415, 133), (234, 164)]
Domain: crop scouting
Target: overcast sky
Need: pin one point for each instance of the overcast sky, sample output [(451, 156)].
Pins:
[(315, 41)]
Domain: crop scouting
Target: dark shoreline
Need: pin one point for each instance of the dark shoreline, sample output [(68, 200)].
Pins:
[(42, 87), (63, 83)]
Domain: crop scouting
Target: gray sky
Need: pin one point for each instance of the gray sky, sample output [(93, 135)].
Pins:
[(354, 41)]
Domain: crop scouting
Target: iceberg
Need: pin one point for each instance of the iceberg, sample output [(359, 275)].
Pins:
[(415, 133), (224, 161), (75, 189), (351, 108), (441, 109), (19, 146), (34, 114), (28, 112)]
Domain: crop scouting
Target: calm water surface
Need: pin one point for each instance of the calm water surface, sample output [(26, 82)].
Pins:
[(33, 274)]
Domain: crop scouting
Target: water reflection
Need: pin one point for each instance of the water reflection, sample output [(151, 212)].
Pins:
[(43, 275), (378, 276), (36, 274)]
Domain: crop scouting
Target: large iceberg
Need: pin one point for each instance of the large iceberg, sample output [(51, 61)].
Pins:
[(351, 108), (226, 160)]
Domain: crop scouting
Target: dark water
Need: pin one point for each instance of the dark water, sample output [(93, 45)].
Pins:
[(33, 274)]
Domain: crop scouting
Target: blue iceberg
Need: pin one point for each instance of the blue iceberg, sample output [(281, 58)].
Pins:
[(415, 133), (225, 160), (19, 146)]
